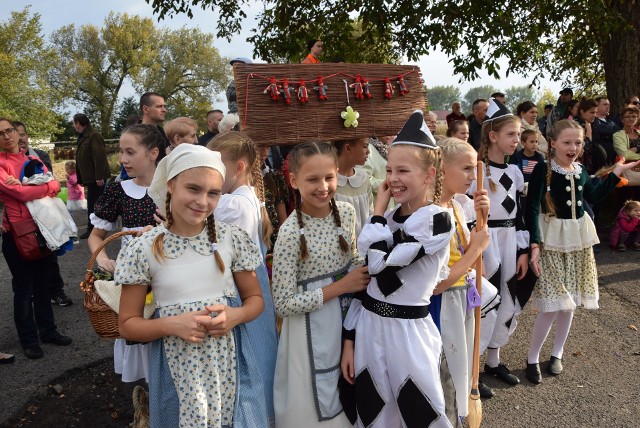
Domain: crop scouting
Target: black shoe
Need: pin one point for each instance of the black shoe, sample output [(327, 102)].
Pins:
[(485, 391), (58, 339), (555, 366), (61, 299), (533, 373), (502, 373), (34, 352), (85, 235)]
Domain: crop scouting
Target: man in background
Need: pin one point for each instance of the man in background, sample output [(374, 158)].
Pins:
[(213, 119), (476, 118), (542, 122), (315, 48), (455, 114), (154, 111), (92, 165)]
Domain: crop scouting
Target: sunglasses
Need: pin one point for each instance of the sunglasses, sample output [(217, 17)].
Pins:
[(637, 103)]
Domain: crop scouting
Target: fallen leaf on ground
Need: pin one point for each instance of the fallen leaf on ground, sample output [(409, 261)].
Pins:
[(633, 327)]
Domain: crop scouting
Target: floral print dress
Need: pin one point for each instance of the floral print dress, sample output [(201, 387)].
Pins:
[(187, 279)]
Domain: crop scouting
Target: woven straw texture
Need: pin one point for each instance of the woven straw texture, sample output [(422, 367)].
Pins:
[(270, 122)]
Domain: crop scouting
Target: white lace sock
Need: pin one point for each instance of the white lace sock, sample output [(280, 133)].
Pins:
[(541, 328), (563, 325), (493, 357)]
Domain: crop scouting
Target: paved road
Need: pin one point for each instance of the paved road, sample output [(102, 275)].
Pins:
[(599, 387)]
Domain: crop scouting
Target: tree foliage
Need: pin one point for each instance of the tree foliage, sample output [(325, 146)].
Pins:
[(546, 97), (188, 70), (518, 94), (441, 97), (581, 42), (25, 94), (128, 107), (95, 62), (475, 93), (350, 41)]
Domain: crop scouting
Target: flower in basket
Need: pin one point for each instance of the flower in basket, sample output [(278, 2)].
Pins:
[(350, 117)]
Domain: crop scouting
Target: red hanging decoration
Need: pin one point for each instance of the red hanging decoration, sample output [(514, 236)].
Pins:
[(303, 94), (321, 88), (272, 89), (402, 85), (388, 88), (358, 89), (286, 91), (366, 88)]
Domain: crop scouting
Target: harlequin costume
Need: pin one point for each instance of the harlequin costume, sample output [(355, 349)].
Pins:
[(509, 239), (397, 344)]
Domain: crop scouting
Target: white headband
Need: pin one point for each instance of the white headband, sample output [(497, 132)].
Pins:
[(182, 158)]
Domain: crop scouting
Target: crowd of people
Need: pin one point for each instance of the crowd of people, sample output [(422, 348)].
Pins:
[(330, 284)]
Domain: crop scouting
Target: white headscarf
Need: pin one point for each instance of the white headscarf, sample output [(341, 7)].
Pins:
[(182, 158)]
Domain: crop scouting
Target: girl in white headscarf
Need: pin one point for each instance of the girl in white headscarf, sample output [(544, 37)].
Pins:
[(202, 370)]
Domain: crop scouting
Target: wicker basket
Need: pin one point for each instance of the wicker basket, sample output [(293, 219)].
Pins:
[(103, 318), (269, 122)]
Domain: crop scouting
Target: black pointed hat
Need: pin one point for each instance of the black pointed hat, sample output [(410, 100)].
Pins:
[(416, 133), (496, 110)]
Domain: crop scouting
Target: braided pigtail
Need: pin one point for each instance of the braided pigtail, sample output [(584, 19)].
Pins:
[(211, 233), (304, 251), (484, 152), (156, 248), (258, 186), (551, 206), (344, 245), (167, 209), (439, 178)]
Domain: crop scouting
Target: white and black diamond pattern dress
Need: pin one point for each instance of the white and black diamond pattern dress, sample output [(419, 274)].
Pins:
[(508, 239), (397, 347)]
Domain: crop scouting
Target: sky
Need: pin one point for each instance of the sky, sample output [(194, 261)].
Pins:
[(54, 14)]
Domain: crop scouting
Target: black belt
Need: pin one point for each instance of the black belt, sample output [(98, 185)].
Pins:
[(501, 223), (389, 310)]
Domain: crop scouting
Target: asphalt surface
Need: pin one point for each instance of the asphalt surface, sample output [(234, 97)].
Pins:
[(598, 388)]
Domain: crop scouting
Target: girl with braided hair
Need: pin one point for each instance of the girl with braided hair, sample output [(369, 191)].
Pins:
[(242, 204), (506, 257), (141, 149), (562, 240), (314, 273), (396, 361), (203, 371)]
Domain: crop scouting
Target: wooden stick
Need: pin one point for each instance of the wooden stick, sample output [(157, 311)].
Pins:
[(475, 405)]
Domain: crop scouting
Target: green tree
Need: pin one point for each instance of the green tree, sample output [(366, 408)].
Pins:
[(547, 97), (95, 62), (25, 94), (129, 106), (66, 131), (188, 70), (585, 41), (353, 43), (518, 94), (477, 92), (441, 97)]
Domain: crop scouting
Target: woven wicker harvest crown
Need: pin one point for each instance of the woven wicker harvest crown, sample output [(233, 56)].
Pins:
[(270, 122)]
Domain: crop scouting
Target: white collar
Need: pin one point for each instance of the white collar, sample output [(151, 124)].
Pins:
[(356, 180), (133, 190), (174, 245), (577, 169)]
